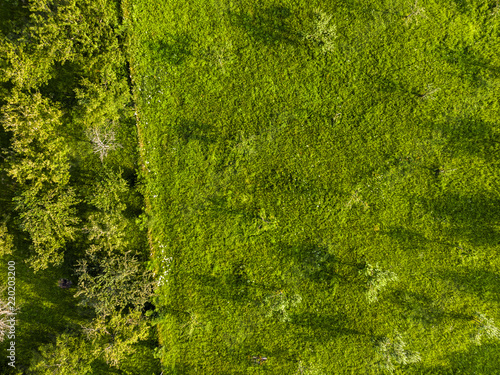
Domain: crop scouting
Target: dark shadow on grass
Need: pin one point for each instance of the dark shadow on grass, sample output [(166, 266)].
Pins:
[(482, 359), (314, 261), (281, 179), (218, 206), (269, 25), (472, 9), (390, 88), (411, 239), (421, 369), (470, 65), (469, 136), (483, 283), (188, 130), (232, 286), (324, 327), (173, 49), (461, 5), (473, 218), (421, 308)]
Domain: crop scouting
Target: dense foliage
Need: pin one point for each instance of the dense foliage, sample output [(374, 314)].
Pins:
[(70, 191)]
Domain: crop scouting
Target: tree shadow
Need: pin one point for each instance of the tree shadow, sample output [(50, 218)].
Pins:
[(482, 359), (469, 136), (421, 308), (461, 5), (485, 284), (174, 49), (470, 65), (472, 9), (269, 25), (314, 261), (411, 239), (233, 285), (324, 327), (220, 206), (188, 130), (473, 218), (387, 86), (281, 179)]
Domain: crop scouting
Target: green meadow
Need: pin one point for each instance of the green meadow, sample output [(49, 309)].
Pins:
[(323, 179)]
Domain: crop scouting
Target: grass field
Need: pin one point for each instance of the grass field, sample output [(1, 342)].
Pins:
[(324, 183)]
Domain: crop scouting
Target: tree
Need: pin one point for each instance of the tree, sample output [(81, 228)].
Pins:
[(103, 140), (69, 355), (47, 36), (39, 163), (50, 219), (117, 287), (113, 283), (40, 154), (114, 339)]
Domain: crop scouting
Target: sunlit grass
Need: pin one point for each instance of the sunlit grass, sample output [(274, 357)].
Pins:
[(278, 168)]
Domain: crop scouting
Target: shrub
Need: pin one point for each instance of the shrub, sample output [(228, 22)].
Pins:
[(323, 32), (311, 369), (377, 280), (485, 328), (391, 352), (279, 303)]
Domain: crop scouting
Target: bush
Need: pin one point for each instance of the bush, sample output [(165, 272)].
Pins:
[(377, 280), (323, 31), (485, 328), (391, 352), (279, 303)]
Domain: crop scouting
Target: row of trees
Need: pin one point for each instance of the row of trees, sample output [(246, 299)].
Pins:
[(66, 111)]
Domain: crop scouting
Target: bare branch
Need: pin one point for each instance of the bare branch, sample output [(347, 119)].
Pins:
[(416, 12), (103, 140)]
